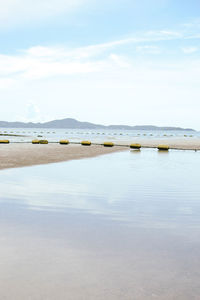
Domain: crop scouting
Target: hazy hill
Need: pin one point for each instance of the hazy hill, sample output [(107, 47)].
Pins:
[(74, 124)]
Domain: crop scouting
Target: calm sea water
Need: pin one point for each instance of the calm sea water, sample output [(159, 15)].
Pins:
[(119, 226), (94, 135)]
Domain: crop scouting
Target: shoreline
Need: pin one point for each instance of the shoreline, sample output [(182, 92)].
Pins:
[(174, 143), (15, 155), (24, 155)]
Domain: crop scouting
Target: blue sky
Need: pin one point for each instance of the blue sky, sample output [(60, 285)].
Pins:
[(119, 62)]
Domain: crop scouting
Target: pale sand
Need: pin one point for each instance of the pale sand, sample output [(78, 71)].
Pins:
[(173, 143), (176, 143), (21, 155)]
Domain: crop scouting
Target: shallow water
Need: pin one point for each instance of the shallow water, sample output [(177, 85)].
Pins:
[(119, 226), (100, 135)]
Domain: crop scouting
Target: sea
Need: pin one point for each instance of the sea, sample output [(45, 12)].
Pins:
[(76, 135)]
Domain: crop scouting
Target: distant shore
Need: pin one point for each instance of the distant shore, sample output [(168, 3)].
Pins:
[(70, 123)]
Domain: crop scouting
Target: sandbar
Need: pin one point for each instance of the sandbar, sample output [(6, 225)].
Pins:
[(24, 154), (180, 143), (15, 155)]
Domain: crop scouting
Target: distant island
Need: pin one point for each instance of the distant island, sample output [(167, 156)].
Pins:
[(74, 124)]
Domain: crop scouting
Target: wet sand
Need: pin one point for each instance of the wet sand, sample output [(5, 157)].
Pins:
[(24, 154), (180, 143), (78, 258), (21, 155), (110, 228), (173, 143)]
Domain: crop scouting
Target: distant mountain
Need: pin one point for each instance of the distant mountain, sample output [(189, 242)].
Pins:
[(74, 124)]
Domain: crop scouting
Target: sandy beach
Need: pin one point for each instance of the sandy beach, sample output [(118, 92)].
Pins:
[(21, 155), (25, 154), (174, 143)]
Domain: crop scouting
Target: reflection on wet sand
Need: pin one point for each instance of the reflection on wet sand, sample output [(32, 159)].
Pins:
[(121, 226)]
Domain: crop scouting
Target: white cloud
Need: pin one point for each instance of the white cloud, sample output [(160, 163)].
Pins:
[(148, 49), (88, 82), (31, 66), (43, 62), (120, 61), (189, 50), (20, 11), (194, 24), (6, 83), (93, 50), (162, 93), (32, 111)]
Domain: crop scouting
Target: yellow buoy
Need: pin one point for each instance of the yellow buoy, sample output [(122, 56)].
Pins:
[(85, 143), (4, 141), (43, 142), (163, 147), (35, 141), (108, 144), (135, 146), (64, 142)]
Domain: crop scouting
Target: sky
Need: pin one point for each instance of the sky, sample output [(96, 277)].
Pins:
[(134, 62)]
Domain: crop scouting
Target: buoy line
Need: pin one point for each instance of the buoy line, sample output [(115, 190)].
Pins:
[(133, 146)]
